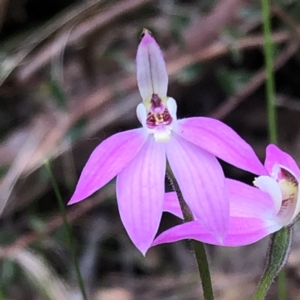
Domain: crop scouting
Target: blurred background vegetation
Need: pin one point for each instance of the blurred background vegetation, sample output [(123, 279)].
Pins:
[(67, 81)]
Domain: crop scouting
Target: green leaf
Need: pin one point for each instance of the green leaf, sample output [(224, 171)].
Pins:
[(178, 24), (190, 73), (37, 224), (3, 170), (77, 130), (58, 94), (233, 81), (8, 271)]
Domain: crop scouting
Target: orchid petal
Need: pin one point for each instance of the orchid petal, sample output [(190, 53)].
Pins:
[(270, 186), (140, 193), (249, 202), (242, 231), (172, 108), (152, 74), (202, 183), (290, 199), (297, 208), (190, 230), (276, 156), (245, 201), (171, 205), (107, 160), (141, 113), (220, 140)]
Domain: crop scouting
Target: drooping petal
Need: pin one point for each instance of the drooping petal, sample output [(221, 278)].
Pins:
[(270, 186), (140, 193), (186, 231), (107, 160), (251, 218), (249, 202), (152, 74), (171, 205), (202, 183), (220, 140), (276, 156), (242, 231), (245, 202)]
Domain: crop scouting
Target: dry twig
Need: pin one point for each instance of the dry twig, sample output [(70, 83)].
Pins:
[(77, 33), (56, 221), (257, 80)]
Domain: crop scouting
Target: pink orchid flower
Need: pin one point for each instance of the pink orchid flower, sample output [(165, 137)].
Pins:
[(254, 212), (138, 158)]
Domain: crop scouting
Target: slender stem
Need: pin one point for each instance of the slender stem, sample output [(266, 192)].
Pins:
[(67, 228), (270, 91), (277, 255), (199, 248), (270, 86), (2, 297)]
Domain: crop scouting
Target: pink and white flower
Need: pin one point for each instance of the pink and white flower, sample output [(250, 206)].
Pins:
[(254, 212), (138, 158)]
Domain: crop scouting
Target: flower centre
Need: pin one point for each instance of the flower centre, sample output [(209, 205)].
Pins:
[(158, 114), (159, 119), (289, 188)]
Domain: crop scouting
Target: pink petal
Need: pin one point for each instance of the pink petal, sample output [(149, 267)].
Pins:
[(242, 231), (220, 140), (245, 201), (251, 218), (276, 156), (107, 160), (152, 74), (171, 205), (202, 183), (297, 208), (249, 202), (140, 193)]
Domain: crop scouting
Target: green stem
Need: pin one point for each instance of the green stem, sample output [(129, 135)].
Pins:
[(272, 116), (199, 248), (2, 297), (277, 255), (67, 228), (270, 86)]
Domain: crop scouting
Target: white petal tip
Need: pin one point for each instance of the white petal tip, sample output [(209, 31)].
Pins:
[(146, 37)]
